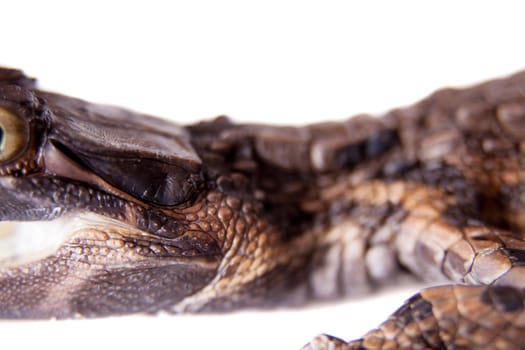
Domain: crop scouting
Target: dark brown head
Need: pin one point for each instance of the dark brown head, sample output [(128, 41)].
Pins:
[(122, 220)]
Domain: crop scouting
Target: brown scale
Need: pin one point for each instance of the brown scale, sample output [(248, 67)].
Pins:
[(216, 216)]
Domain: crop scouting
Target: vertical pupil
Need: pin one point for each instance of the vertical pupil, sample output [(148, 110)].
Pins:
[(1, 139)]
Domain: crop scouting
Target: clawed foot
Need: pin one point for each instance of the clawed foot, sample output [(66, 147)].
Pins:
[(446, 317)]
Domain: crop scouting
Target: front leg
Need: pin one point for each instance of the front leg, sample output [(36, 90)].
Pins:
[(441, 236), (446, 317)]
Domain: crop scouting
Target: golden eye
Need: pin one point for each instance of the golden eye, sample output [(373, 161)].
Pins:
[(12, 135)]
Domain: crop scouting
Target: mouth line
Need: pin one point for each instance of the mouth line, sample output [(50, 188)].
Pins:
[(22, 242)]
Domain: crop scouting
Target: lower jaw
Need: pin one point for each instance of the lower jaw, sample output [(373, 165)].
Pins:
[(24, 242)]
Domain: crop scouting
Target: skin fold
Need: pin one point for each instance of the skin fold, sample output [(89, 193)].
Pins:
[(217, 216)]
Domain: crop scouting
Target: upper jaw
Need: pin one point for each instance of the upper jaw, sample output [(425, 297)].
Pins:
[(28, 199), (39, 213), (42, 197)]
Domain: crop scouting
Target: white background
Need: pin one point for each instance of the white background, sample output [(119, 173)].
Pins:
[(267, 61)]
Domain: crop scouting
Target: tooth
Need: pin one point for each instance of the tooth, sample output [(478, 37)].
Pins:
[(6, 228)]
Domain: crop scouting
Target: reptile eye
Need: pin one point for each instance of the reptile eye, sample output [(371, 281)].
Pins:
[(13, 136)]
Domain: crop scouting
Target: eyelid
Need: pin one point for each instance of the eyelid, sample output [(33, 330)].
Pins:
[(13, 135)]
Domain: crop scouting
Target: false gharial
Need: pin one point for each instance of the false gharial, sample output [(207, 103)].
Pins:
[(136, 214)]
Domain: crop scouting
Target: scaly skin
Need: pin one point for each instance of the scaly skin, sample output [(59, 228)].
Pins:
[(217, 216)]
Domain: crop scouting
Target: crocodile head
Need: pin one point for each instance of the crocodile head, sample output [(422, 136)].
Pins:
[(103, 211)]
